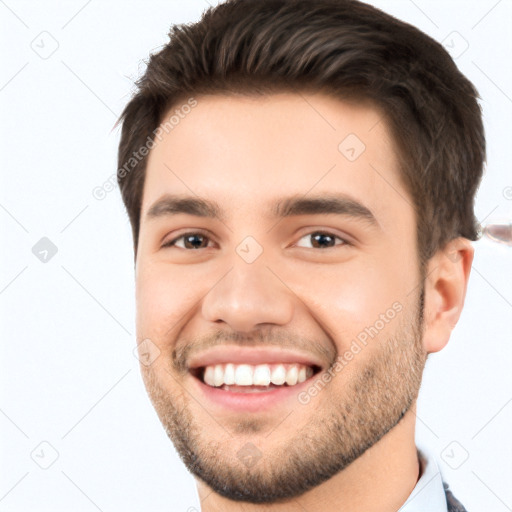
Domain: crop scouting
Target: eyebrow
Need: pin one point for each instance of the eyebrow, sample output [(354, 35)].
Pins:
[(324, 204)]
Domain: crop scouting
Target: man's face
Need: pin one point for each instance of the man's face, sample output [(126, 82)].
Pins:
[(331, 288)]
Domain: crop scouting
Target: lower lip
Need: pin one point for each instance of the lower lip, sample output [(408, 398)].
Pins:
[(251, 402)]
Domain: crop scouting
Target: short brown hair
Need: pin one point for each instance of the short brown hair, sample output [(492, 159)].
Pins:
[(345, 48)]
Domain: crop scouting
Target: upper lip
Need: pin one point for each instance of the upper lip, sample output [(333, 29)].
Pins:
[(253, 356)]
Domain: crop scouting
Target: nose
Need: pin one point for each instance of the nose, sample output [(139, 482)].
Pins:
[(248, 296)]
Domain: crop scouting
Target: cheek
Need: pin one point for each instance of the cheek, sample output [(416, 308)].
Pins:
[(165, 298), (351, 298)]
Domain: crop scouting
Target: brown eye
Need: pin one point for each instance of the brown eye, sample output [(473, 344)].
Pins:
[(323, 240), (190, 241)]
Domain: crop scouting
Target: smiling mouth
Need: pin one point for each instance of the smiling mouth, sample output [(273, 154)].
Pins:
[(248, 378)]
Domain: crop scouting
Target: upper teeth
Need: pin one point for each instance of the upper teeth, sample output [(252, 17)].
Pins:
[(256, 375)]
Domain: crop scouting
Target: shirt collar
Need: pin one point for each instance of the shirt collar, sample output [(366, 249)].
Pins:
[(428, 494)]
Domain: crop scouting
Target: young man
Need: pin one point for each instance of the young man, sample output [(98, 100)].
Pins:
[(300, 177)]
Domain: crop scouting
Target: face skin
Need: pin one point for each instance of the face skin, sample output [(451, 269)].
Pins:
[(352, 443)]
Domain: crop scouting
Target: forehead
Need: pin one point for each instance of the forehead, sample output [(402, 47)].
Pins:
[(245, 151)]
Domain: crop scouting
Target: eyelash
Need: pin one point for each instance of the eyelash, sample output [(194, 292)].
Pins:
[(171, 243)]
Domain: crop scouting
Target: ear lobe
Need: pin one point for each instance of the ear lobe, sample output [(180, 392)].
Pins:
[(445, 290)]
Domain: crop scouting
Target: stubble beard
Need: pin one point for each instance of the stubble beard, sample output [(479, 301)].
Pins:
[(371, 404)]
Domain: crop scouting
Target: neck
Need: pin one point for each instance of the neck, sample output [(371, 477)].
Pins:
[(380, 480)]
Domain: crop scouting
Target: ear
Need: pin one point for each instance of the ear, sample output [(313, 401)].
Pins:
[(445, 290)]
